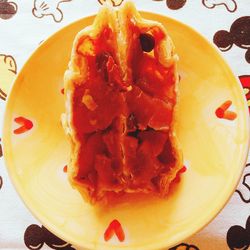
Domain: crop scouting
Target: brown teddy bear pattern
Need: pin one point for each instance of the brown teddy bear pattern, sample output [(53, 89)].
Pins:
[(184, 246), (239, 237), (244, 186), (239, 34), (7, 9), (52, 8), (113, 2), (35, 237), (174, 4), (230, 5)]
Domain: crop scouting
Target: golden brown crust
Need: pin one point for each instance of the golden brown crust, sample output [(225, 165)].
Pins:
[(78, 71)]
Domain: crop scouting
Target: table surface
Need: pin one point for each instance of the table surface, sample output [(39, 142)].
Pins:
[(25, 24)]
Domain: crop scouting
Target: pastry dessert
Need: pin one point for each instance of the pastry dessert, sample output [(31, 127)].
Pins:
[(121, 96)]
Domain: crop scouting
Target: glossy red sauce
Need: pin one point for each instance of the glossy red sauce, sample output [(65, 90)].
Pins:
[(65, 169), (114, 228), (25, 125), (123, 129), (222, 112)]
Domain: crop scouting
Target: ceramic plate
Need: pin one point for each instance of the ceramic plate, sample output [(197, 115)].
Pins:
[(36, 149)]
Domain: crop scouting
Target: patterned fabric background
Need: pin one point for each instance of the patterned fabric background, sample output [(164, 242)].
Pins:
[(25, 24)]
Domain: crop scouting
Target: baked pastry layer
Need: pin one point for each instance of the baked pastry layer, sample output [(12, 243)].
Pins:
[(121, 96)]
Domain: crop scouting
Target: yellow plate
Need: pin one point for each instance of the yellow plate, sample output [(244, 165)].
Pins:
[(214, 149)]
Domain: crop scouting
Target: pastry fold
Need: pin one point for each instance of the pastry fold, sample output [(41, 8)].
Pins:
[(121, 95)]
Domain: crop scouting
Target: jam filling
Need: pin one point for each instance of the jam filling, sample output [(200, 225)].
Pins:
[(123, 128)]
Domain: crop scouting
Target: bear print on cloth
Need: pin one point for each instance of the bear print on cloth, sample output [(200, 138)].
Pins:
[(239, 237), (7, 9), (48, 8), (230, 5), (244, 187), (113, 2), (184, 246), (174, 4), (35, 237), (239, 35), (8, 73)]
